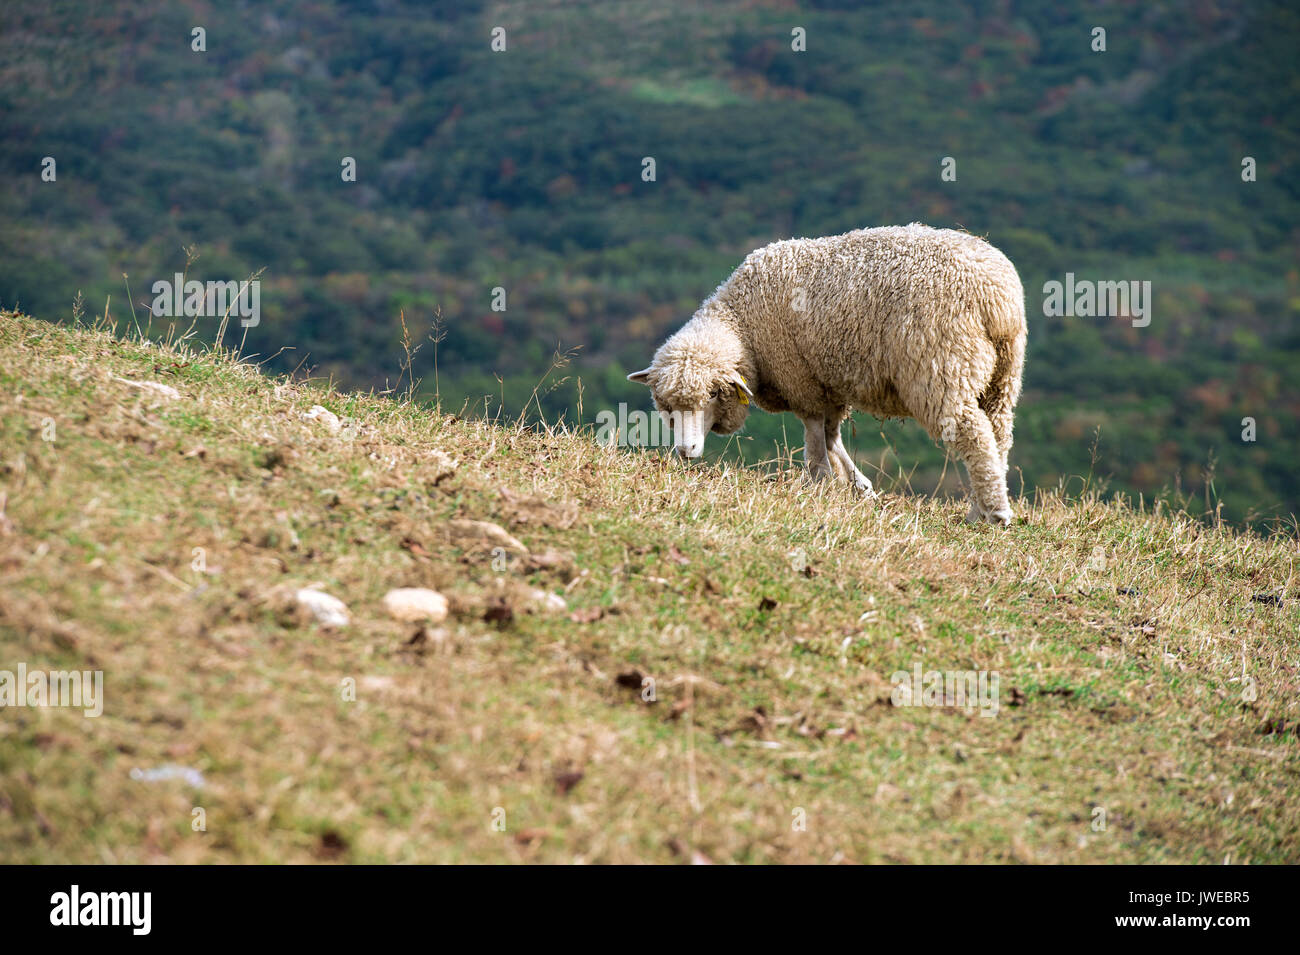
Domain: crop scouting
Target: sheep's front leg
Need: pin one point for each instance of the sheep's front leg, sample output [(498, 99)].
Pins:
[(814, 449), (836, 447)]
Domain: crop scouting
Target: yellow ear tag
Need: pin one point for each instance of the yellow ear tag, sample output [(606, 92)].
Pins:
[(744, 398)]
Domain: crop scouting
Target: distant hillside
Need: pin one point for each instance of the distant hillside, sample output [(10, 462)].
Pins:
[(642, 662), (522, 170)]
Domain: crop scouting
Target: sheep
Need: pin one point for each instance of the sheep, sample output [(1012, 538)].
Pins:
[(899, 321)]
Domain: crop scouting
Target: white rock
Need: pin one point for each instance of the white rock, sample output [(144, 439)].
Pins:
[(153, 387), (483, 534), (414, 604), (444, 465), (328, 611), (326, 417), (164, 773), (549, 601)]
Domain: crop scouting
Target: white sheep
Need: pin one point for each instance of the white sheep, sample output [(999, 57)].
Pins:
[(902, 321)]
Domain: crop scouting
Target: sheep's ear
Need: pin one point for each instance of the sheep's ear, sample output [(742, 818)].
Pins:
[(642, 376)]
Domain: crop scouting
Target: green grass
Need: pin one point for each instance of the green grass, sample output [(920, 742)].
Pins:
[(772, 684)]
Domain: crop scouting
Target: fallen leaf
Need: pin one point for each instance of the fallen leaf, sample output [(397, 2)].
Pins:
[(564, 782), (416, 548), (499, 612)]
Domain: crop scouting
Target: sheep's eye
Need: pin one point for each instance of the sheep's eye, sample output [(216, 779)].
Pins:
[(717, 393)]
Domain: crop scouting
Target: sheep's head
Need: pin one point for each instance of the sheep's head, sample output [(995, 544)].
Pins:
[(696, 400)]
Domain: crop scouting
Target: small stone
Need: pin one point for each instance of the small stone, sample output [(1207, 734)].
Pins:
[(416, 605), (187, 774), (327, 611), (550, 602), (153, 387), (442, 465), (484, 535), (325, 417)]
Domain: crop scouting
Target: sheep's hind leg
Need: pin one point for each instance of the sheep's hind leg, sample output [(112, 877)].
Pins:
[(976, 513), (814, 449), (973, 440), (835, 444)]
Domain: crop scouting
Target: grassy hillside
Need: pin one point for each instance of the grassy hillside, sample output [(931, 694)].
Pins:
[(160, 538), (522, 170)]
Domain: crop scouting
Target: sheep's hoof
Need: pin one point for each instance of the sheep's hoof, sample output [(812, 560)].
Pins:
[(863, 486), (1000, 518)]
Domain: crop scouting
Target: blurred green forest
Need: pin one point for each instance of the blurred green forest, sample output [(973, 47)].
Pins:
[(522, 170)]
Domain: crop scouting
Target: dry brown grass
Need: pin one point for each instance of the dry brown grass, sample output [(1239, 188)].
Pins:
[(1121, 638)]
